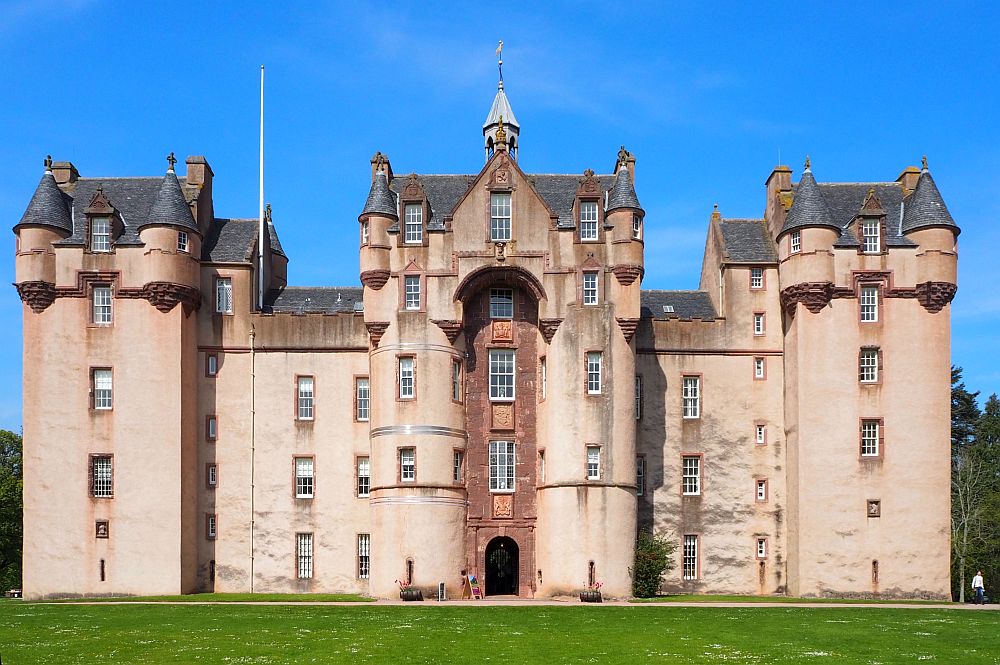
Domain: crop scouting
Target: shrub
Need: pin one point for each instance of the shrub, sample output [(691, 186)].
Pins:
[(653, 558)]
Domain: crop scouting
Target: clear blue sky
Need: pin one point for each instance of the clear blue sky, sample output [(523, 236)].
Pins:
[(707, 99)]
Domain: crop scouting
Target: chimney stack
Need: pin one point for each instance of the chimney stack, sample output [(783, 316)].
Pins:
[(64, 172), (908, 179)]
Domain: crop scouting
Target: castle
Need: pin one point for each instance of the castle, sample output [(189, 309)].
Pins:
[(499, 397)]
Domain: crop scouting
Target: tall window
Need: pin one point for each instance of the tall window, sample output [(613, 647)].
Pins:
[(761, 490), (590, 288), (182, 241), (870, 438), (224, 295), (543, 371), (869, 303), (102, 304), (638, 397), (868, 365), (456, 380), (796, 242), (691, 396), (364, 555), (636, 227), (100, 234), (411, 286), (500, 217), (756, 278), (501, 374), (870, 236), (305, 485), (406, 387), (304, 555), (501, 303), (407, 464), (212, 365), (594, 372), (691, 475), (457, 462), (758, 323), (690, 557), (640, 476), (365, 230), (364, 476), (762, 548), (501, 466), (593, 462), (760, 434), (211, 428), (759, 368), (306, 398), (101, 476), (103, 398), (211, 526), (588, 220), (213, 475), (362, 394), (413, 220)]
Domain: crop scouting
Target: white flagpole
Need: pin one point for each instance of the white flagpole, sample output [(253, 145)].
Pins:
[(260, 236)]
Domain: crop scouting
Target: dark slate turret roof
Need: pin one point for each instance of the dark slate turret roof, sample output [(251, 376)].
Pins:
[(169, 208), (845, 199), (316, 299), (925, 207), (686, 305), (275, 243), (132, 198), (48, 206), (809, 208), (380, 199), (234, 240), (747, 241), (622, 194)]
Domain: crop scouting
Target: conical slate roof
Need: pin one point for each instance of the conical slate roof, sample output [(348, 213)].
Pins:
[(925, 207), (808, 207), (501, 107), (170, 208), (380, 199), (48, 207), (622, 194)]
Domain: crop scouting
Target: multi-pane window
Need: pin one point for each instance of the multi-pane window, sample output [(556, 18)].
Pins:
[(796, 242), (588, 220), (501, 303), (689, 566), (364, 477), (869, 303), (500, 217), (637, 227), (102, 304), (758, 323), (411, 287), (870, 438), (501, 466), (640, 476), (101, 476), (102, 389), (544, 372), (304, 555), (413, 221), (761, 490), (502, 374), (456, 380), (365, 230), (306, 398), (362, 397), (691, 475), (407, 464), (762, 548), (868, 365), (593, 463), (182, 241), (211, 364), (458, 460), (305, 482), (691, 396), (638, 397), (213, 475), (594, 372), (756, 278), (758, 368), (100, 234), (224, 295), (364, 555), (211, 526), (760, 434), (406, 387), (211, 428), (590, 288), (871, 236)]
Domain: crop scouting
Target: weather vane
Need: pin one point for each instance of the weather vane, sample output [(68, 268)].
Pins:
[(500, 59)]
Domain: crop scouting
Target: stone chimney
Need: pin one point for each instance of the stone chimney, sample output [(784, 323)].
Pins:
[(199, 177), (64, 172), (779, 198), (626, 159), (908, 179)]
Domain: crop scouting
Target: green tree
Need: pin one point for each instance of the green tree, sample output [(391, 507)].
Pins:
[(985, 552), (653, 558), (11, 508), (964, 411)]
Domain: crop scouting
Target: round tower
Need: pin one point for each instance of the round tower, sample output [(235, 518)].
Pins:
[(46, 220), (171, 236)]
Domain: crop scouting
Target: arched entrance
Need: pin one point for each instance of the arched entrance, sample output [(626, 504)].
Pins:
[(501, 567)]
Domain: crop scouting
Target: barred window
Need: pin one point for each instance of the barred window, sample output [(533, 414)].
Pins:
[(501, 303), (690, 560), (868, 365), (364, 555), (407, 464), (758, 323), (103, 396), (411, 285), (406, 383), (362, 395), (304, 553), (224, 295), (211, 526), (501, 374), (590, 288), (588, 220), (306, 398), (640, 476), (796, 242), (501, 466), (182, 241), (305, 483), (638, 397), (869, 438), (871, 236), (756, 278), (594, 372), (413, 218), (364, 476), (761, 490), (869, 303), (100, 234), (102, 304), (101, 476), (458, 461), (691, 475), (500, 217), (759, 368), (593, 463), (760, 434), (213, 475), (691, 396)]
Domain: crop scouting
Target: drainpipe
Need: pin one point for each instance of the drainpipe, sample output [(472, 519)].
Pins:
[(253, 441)]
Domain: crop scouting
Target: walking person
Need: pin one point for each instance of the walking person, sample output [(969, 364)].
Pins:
[(977, 587)]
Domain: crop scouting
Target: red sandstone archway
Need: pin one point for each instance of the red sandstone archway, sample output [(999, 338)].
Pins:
[(513, 276)]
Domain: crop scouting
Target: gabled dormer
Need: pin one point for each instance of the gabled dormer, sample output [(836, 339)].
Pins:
[(415, 214), (587, 209), (103, 224), (869, 226)]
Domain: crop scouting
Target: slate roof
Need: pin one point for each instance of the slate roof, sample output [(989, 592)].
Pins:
[(48, 206), (501, 107), (132, 198), (559, 193), (622, 194), (169, 207), (230, 241), (275, 243), (925, 207), (747, 241), (315, 299), (809, 206), (687, 305), (380, 199)]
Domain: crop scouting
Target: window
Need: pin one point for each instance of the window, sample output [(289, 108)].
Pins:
[(501, 303), (593, 372), (211, 428), (406, 387), (501, 466), (102, 305), (871, 236), (759, 368), (224, 295), (182, 241), (102, 483), (456, 380), (762, 548), (364, 555), (501, 374), (690, 558), (758, 323), (868, 365), (541, 466), (691, 396), (500, 217), (588, 220), (756, 278), (362, 395), (211, 526), (305, 483), (407, 464), (212, 475), (100, 234), (640, 476), (761, 495), (590, 288), (102, 389), (102, 529), (364, 477), (870, 433), (869, 303), (760, 434), (691, 475), (874, 508), (543, 370), (796, 242), (304, 555), (458, 460), (593, 462), (413, 219), (365, 229), (211, 365), (638, 397), (411, 286), (636, 227), (306, 398)]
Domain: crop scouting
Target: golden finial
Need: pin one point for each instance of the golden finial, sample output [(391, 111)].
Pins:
[(871, 192), (501, 135), (923, 162), (808, 166)]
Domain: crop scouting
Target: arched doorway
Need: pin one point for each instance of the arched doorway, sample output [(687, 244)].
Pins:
[(501, 567)]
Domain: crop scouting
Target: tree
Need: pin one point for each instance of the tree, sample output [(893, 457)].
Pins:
[(653, 558), (964, 411), (11, 508)]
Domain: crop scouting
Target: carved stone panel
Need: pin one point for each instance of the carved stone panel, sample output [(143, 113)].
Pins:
[(503, 330), (502, 415), (503, 506)]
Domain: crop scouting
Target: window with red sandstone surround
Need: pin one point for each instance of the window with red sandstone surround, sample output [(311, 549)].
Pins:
[(588, 221), (689, 564), (593, 462), (871, 438), (101, 389), (868, 365), (761, 494), (594, 362), (590, 288), (406, 378), (756, 278), (304, 555), (407, 465), (502, 374), (691, 396), (362, 395), (364, 555), (364, 477), (101, 300), (762, 548), (501, 466), (413, 223), (411, 286), (691, 475), (500, 210), (758, 323), (223, 295), (868, 300), (102, 482), (306, 398), (305, 481)]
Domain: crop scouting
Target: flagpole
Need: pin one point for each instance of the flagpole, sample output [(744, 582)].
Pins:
[(260, 234)]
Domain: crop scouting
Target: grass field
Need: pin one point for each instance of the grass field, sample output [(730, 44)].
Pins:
[(696, 598), (33, 633), (231, 598)]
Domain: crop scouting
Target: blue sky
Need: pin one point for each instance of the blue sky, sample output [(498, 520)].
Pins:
[(707, 99)]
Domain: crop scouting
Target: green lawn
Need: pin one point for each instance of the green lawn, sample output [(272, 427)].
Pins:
[(35, 633), (230, 598), (695, 598)]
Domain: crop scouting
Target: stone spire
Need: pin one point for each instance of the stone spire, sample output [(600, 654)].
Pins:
[(48, 205), (170, 208), (622, 193), (809, 208), (501, 109), (381, 200), (925, 207)]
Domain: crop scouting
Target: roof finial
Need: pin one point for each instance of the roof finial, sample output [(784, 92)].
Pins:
[(808, 166), (500, 63), (267, 213), (379, 162), (501, 135), (923, 163), (48, 163), (622, 158), (171, 160)]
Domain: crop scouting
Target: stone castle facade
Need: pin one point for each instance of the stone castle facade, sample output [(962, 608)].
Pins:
[(499, 397)]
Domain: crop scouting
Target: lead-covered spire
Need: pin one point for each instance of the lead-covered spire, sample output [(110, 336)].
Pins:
[(501, 115), (809, 208), (48, 204), (925, 207)]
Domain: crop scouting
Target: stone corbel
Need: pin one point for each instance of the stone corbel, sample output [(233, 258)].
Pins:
[(628, 327), (375, 331), (451, 328), (375, 279), (814, 295), (626, 274), (548, 328), (935, 295), (37, 295)]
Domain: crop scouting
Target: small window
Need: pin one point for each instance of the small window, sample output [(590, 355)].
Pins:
[(211, 526), (407, 464), (593, 462), (636, 227), (761, 490), (102, 483), (870, 435), (102, 305), (640, 476), (501, 466), (756, 278), (594, 361), (100, 234), (304, 555), (543, 371), (411, 285), (362, 394), (458, 461), (691, 396), (796, 242), (541, 466), (102, 529), (590, 288), (502, 374), (638, 397), (211, 365), (874, 508), (759, 368), (868, 365), (182, 241), (306, 398), (456, 380), (212, 475), (760, 434), (365, 230), (588, 220), (500, 217), (871, 241), (762, 548), (501, 303), (406, 379), (758, 323), (364, 476), (211, 428), (102, 389), (364, 555), (869, 304), (691, 475), (224, 295), (413, 219), (689, 562), (305, 482)]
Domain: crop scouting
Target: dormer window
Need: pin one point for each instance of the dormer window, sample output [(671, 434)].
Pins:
[(871, 237), (100, 234), (500, 214), (413, 221), (588, 221)]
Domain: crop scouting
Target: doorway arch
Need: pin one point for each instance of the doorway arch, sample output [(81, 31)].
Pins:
[(502, 567)]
